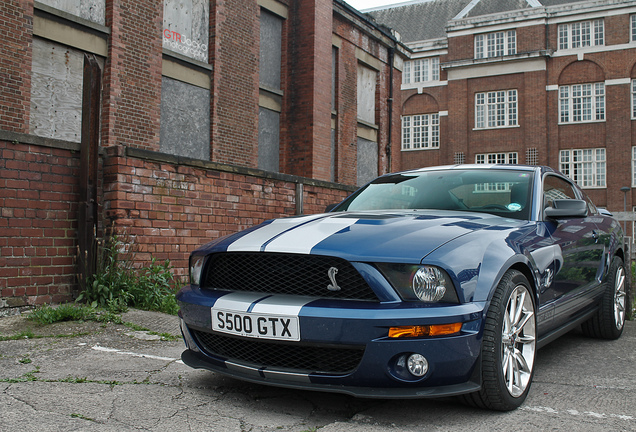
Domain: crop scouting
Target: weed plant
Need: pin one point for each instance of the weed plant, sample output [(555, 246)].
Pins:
[(47, 314), (117, 285)]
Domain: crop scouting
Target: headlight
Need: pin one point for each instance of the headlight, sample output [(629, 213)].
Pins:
[(196, 265), (420, 282)]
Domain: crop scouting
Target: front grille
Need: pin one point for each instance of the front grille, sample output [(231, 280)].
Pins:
[(302, 358), (278, 273)]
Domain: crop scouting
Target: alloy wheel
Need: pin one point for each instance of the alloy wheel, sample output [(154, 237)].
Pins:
[(518, 341)]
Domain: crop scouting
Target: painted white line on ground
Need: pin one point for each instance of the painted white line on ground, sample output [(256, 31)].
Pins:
[(132, 354), (573, 412)]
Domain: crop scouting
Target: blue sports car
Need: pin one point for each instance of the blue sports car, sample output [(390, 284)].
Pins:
[(434, 282)]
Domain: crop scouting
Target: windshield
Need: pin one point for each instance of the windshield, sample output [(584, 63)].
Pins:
[(501, 192)]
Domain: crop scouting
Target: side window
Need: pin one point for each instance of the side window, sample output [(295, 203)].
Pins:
[(591, 208), (556, 188)]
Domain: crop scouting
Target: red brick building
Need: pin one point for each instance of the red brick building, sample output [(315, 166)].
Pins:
[(214, 116), (550, 82)]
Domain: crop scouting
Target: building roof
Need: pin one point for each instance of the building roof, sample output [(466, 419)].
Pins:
[(419, 20)]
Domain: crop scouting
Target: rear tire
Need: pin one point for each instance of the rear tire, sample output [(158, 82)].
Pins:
[(509, 346), (609, 321)]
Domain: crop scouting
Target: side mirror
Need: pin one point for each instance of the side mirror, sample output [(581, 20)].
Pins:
[(566, 208), (331, 207)]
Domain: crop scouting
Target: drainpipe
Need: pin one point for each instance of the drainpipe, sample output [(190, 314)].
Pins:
[(548, 116), (300, 198), (390, 104)]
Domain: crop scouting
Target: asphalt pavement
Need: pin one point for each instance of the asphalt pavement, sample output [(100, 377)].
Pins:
[(110, 377)]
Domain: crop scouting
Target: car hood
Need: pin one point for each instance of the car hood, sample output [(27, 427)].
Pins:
[(379, 236)]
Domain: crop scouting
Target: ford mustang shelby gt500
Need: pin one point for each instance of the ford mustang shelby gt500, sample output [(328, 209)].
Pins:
[(433, 282)]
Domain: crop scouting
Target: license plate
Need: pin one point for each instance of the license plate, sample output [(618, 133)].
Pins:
[(255, 325)]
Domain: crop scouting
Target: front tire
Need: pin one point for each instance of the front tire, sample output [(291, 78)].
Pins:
[(609, 321), (509, 346)]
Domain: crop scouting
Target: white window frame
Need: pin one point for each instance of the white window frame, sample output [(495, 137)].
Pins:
[(632, 28), (633, 91), (582, 103), (497, 158), (581, 34), (421, 70), (495, 44), (420, 132), (496, 109), (634, 166), (587, 167)]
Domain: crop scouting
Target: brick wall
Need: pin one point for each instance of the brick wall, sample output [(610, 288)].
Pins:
[(16, 34), (38, 223), (170, 205), (164, 206)]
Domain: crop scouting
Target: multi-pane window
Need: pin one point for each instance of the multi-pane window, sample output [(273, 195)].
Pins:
[(497, 158), (420, 132), (532, 156), (581, 103), (586, 167), (633, 28), (496, 109), (495, 44), (459, 158), (581, 34), (421, 70)]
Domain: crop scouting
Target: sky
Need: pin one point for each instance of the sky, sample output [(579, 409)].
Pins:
[(366, 4)]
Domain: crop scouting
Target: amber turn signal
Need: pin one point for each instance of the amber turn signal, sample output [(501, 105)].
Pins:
[(421, 331)]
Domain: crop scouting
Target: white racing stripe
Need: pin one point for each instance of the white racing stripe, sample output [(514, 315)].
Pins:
[(304, 238), (261, 303), (281, 305), (254, 241), (238, 301)]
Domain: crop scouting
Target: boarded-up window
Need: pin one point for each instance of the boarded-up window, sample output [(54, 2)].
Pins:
[(268, 139), (56, 91), (91, 10), (185, 119), (270, 50), (367, 161), (271, 30), (186, 27), (366, 94)]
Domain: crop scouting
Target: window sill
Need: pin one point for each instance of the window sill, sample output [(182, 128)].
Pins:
[(581, 122), (368, 125), (185, 60), (419, 149), (496, 128)]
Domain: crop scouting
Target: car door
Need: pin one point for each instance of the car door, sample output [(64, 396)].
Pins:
[(576, 279)]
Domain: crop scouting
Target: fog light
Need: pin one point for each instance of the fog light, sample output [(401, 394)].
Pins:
[(417, 365)]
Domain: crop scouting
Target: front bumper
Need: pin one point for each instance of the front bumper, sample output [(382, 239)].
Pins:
[(334, 326)]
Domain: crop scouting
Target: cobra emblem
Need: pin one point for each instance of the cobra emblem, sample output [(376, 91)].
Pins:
[(333, 286)]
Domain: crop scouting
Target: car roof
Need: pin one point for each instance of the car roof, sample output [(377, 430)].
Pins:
[(529, 168)]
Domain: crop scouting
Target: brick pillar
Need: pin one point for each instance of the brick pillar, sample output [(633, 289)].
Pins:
[(132, 76), (234, 54), (16, 34), (310, 126)]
